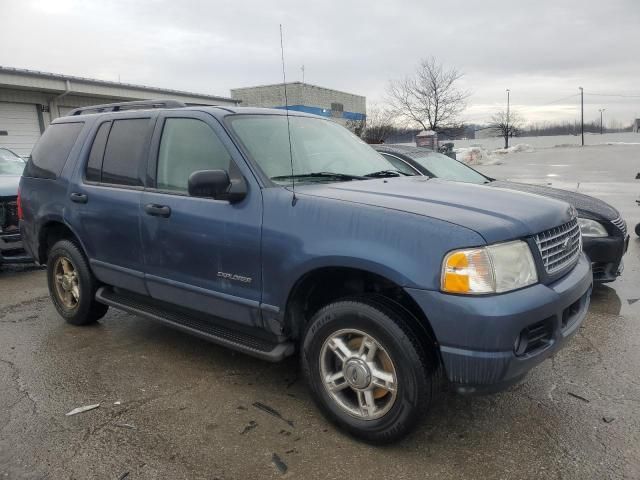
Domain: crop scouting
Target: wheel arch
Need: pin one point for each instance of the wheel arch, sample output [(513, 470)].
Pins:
[(327, 284), (51, 231)]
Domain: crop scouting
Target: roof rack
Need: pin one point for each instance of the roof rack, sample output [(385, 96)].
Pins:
[(122, 106)]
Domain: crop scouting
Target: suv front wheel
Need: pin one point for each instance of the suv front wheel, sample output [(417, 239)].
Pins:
[(368, 372), (72, 286)]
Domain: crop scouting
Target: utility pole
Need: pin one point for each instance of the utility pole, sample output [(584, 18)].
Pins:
[(582, 113), (506, 138), (601, 110)]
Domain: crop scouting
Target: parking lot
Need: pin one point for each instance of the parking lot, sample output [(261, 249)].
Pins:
[(173, 406)]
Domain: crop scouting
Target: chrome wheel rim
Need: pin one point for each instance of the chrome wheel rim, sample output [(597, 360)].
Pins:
[(67, 285), (358, 374)]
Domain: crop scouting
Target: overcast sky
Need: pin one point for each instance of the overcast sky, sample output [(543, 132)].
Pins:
[(542, 50)]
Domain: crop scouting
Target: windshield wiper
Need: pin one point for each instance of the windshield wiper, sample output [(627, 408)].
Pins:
[(387, 173), (333, 175)]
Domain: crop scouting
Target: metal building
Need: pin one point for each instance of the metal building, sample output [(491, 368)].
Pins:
[(30, 100), (304, 97)]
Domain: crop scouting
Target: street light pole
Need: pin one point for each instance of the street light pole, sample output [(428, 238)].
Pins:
[(601, 110), (582, 113), (506, 137)]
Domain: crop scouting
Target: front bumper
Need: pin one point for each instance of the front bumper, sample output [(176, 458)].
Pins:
[(11, 248), (606, 256), (477, 335)]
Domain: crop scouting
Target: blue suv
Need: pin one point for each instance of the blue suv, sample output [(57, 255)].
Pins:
[(274, 233)]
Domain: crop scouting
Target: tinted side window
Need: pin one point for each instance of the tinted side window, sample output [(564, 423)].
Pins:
[(188, 145), (123, 153), (400, 165), (52, 150), (94, 164)]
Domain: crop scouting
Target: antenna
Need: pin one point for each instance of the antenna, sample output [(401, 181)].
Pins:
[(286, 107)]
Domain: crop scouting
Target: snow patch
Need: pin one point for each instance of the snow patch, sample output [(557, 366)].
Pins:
[(475, 156), (520, 147)]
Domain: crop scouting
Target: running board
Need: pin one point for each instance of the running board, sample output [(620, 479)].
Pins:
[(270, 351)]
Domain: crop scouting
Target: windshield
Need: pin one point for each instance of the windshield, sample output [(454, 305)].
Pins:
[(447, 168), (10, 163), (319, 147)]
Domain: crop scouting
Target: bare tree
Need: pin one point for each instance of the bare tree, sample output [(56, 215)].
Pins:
[(506, 125), (377, 127), (357, 127), (430, 97), (380, 124)]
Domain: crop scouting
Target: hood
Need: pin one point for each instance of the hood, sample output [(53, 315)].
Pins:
[(496, 214), (590, 206), (9, 185)]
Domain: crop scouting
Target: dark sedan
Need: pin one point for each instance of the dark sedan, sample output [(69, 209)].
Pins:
[(604, 231), (11, 167)]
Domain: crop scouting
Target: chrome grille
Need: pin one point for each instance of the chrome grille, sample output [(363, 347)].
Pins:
[(620, 225), (560, 246)]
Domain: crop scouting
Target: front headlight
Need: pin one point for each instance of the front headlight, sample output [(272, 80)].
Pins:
[(494, 269), (591, 228)]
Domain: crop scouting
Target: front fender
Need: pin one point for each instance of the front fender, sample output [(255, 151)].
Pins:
[(321, 232)]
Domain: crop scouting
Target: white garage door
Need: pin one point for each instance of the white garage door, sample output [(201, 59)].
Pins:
[(19, 127)]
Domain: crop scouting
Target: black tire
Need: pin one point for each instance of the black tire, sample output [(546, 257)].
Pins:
[(638, 229), (414, 368), (86, 310)]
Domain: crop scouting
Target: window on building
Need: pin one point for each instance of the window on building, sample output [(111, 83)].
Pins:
[(188, 145), (123, 153), (337, 107)]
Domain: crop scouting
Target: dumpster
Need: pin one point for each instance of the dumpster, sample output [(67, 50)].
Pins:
[(447, 149)]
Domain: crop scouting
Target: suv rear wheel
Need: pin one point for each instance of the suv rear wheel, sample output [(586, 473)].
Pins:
[(72, 286), (367, 371)]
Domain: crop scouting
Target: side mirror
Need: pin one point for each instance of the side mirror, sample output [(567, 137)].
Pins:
[(216, 184)]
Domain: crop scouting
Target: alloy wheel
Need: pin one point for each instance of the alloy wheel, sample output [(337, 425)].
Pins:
[(67, 286), (358, 374)]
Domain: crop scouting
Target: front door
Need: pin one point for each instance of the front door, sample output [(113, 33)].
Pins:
[(200, 253)]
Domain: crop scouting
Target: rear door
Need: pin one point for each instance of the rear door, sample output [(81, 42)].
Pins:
[(202, 254), (105, 198)]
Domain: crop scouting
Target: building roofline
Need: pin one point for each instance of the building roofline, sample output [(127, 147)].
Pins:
[(94, 81), (294, 83)]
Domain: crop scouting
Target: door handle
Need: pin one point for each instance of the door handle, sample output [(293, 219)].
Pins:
[(157, 210), (79, 197)]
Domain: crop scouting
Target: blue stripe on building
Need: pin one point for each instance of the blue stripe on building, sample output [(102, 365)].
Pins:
[(324, 112)]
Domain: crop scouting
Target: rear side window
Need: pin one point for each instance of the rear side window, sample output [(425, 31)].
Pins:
[(123, 154), (400, 165), (188, 145), (52, 150), (94, 164)]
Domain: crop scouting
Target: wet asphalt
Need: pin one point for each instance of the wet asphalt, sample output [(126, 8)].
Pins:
[(173, 406)]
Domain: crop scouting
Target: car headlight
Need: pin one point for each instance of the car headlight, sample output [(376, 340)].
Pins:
[(591, 228), (493, 269)]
